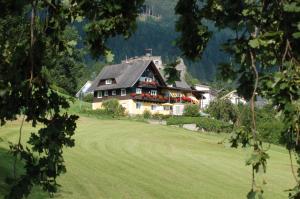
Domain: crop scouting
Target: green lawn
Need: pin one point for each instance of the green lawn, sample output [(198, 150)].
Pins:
[(127, 159)]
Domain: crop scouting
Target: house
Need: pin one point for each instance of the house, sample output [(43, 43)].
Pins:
[(208, 94), (234, 98), (85, 89), (139, 86)]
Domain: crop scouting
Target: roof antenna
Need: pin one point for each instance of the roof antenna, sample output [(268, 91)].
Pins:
[(148, 52)]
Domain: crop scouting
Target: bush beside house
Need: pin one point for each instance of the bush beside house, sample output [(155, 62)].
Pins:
[(147, 114), (191, 110), (113, 107), (88, 98)]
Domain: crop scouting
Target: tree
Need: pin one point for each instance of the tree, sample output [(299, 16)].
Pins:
[(190, 80), (32, 41), (222, 109), (266, 62), (70, 71), (171, 73)]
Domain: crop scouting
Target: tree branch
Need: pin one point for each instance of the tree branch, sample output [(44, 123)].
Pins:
[(18, 148), (252, 101), (32, 38), (50, 4)]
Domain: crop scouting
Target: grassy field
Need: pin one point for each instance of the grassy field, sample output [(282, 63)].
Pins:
[(127, 159)]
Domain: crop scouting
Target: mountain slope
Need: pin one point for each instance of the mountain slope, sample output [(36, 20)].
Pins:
[(159, 35)]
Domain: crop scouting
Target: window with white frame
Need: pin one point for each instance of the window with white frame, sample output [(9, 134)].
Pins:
[(153, 92), (123, 92), (108, 81), (105, 93), (99, 94), (113, 92), (138, 91), (138, 105)]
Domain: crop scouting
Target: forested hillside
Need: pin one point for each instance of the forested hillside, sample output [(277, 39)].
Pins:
[(160, 35)]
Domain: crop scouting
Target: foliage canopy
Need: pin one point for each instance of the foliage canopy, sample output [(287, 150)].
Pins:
[(32, 41), (265, 61)]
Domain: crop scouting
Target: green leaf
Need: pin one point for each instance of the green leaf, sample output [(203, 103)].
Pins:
[(72, 43), (296, 35), (251, 195), (254, 43), (291, 7), (109, 56), (66, 3)]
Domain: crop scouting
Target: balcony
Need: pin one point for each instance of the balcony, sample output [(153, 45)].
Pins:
[(159, 98), (152, 84), (149, 98)]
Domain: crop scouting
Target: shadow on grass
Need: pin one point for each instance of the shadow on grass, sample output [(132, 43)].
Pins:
[(6, 170)]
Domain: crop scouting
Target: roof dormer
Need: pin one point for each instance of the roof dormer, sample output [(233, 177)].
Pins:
[(103, 82), (108, 81)]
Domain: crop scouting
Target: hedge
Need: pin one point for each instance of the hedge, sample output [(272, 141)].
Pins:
[(182, 120), (213, 125), (207, 124)]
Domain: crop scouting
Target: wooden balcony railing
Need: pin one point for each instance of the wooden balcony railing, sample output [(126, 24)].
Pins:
[(153, 84), (159, 98), (149, 98)]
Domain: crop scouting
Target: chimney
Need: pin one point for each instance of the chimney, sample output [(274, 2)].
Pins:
[(148, 52)]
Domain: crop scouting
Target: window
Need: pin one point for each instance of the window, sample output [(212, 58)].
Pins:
[(167, 108), (153, 107), (138, 105), (153, 92), (114, 92), (148, 79), (138, 91), (99, 94), (237, 100), (108, 81), (105, 93), (123, 92)]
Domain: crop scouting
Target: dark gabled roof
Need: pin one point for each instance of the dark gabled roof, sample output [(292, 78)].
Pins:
[(125, 74)]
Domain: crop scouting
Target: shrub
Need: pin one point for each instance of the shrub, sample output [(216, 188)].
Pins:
[(113, 107), (182, 120), (271, 131), (99, 113), (213, 125), (191, 110), (207, 124), (268, 126), (147, 114), (157, 116), (88, 98), (222, 109)]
